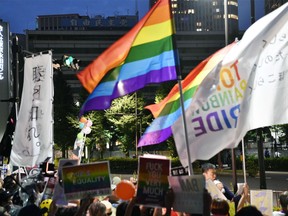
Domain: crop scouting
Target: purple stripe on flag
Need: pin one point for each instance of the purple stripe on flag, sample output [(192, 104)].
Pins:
[(138, 82), (124, 87), (155, 137)]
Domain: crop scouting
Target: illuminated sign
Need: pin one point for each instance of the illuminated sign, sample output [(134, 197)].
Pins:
[(3, 50), (5, 76), (1, 53)]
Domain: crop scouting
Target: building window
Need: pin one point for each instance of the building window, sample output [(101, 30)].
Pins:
[(191, 11), (174, 6), (232, 3)]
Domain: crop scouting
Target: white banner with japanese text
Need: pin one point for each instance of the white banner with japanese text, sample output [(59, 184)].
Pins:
[(33, 140)]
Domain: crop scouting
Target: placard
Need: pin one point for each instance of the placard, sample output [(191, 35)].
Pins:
[(188, 192), (213, 190), (58, 193), (152, 180), (263, 200), (85, 180)]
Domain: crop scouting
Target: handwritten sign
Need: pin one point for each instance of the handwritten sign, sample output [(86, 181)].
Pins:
[(152, 181), (86, 179), (188, 192), (263, 200)]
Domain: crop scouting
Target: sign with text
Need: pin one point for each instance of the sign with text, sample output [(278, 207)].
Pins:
[(188, 191), (58, 193), (6, 78), (263, 200), (214, 191), (152, 180), (86, 180)]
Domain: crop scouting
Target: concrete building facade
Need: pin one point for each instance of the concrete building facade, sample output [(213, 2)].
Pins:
[(85, 38)]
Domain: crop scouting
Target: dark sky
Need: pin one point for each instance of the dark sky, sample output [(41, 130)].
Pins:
[(22, 14)]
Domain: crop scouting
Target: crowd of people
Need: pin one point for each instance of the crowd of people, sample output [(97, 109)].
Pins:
[(26, 198)]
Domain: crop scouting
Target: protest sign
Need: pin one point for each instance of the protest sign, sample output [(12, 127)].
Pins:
[(178, 171), (213, 190), (188, 192), (263, 200), (58, 193), (152, 180), (84, 180)]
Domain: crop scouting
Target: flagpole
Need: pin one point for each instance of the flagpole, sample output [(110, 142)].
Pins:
[(234, 176), (244, 163), (179, 79), (190, 168)]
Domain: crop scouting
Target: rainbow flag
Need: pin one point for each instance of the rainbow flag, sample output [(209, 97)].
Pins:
[(169, 109), (144, 55)]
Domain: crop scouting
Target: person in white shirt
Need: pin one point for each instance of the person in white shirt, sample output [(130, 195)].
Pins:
[(283, 198)]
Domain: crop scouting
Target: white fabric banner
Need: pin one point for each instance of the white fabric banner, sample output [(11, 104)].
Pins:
[(245, 91), (33, 141)]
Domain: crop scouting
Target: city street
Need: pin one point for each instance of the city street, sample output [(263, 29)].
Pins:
[(276, 181)]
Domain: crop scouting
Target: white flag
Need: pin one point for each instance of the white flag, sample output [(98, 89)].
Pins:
[(247, 90), (33, 139)]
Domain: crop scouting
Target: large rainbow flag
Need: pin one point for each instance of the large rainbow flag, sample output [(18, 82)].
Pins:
[(169, 109), (144, 55)]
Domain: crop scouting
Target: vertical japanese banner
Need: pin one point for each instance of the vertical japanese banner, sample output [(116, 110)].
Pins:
[(153, 180), (33, 141)]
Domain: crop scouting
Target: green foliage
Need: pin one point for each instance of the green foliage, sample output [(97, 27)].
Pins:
[(127, 117), (163, 91), (172, 147), (64, 108), (252, 165), (279, 164)]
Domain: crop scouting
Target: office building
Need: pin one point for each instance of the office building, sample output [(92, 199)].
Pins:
[(271, 5), (200, 32)]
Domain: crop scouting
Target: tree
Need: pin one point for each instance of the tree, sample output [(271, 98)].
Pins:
[(64, 106), (127, 117), (169, 144)]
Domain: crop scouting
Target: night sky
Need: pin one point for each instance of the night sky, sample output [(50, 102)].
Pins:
[(22, 14)]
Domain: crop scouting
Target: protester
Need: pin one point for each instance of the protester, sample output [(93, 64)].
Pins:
[(277, 154), (219, 207), (209, 172), (128, 208), (85, 204), (283, 198), (245, 197), (96, 209), (109, 207), (267, 153), (31, 209), (113, 199), (249, 211)]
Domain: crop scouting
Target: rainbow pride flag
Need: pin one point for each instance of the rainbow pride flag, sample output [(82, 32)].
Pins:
[(169, 109), (144, 55)]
